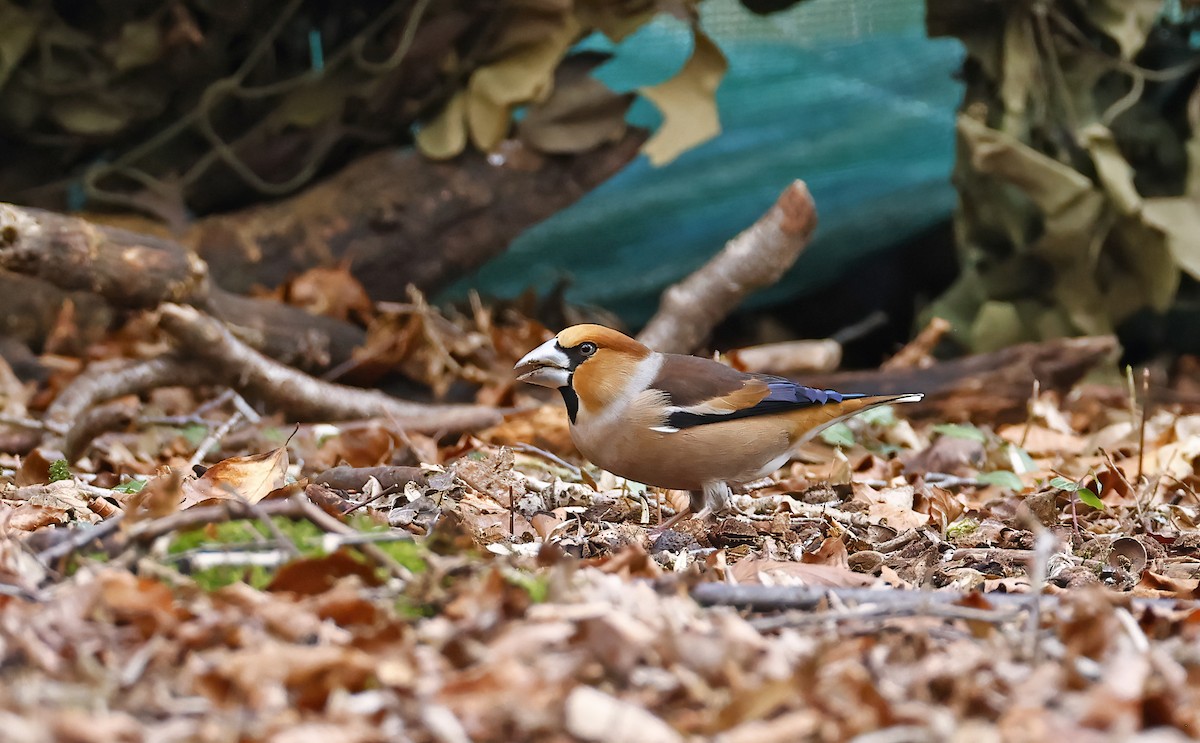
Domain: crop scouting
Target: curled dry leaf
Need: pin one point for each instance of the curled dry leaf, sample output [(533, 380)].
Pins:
[(892, 506), (678, 499), (939, 504), (248, 478), (28, 517), (832, 551), (333, 292), (159, 497), (1164, 586)]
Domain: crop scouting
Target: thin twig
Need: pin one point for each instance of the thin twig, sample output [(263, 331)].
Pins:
[(328, 542), (149, 530), (531, 449), (21, 421), (1037, 384), (1044, 546), (1140, 642), (105, 380), (897, 542), (1112, 467), (198, 560), (283, 540), (943, 480), (332, 525), (877, 613), (1142, 426), (80, 538), (213, 438), (760, 598)]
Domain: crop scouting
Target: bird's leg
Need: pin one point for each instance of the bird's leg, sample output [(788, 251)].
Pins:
[(712, 500), (683, 513)]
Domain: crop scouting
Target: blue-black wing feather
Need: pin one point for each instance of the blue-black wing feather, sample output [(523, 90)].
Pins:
[(784, 395)]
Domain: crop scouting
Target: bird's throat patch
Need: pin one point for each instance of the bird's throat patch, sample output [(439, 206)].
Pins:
[(571, 400)]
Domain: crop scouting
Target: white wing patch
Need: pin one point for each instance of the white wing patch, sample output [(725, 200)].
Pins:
[(704, 408)]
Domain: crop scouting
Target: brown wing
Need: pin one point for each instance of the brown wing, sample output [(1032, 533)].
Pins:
[(704, 391), (705, 385)]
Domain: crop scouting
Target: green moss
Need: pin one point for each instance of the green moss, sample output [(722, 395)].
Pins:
[(309, 539), (59, 470)]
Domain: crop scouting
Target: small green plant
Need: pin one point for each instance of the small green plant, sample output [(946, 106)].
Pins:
[(961, 528), (194, 433), (129, 487), (1084, 494), (251, 535), (59, 470), (1002, 479), (536, 585), (883, 416), (839, 434), (961, 431), (862, 429)]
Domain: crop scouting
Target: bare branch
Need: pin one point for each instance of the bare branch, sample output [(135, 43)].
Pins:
[(105, 380), (302, 396), (355, 478)]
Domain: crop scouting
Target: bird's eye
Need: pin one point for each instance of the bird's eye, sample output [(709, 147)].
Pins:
[(587, 349)]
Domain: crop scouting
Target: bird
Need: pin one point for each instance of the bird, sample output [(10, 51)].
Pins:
[(681, 422)]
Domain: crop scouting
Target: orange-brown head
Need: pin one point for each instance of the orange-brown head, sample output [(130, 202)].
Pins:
[(591, 361)]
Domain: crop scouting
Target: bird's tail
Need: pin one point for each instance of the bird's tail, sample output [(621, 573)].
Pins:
[(811, 420)]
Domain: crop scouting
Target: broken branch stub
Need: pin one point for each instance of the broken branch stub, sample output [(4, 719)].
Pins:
[(128, 269), (756, 258), (131, 270)]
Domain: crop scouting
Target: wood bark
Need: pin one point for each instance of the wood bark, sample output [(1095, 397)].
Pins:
[(398, 218), (393, 216), (135, 271)]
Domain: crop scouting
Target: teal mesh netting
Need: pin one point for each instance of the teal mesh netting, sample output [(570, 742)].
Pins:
[(848, 95)]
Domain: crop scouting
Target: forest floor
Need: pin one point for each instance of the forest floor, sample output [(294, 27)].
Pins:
[(205, 573)]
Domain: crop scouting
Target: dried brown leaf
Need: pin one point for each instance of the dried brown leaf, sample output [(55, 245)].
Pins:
[(317, 575), (249, 478)]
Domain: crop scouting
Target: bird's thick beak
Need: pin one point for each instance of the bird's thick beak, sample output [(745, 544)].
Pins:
[(546, 365)]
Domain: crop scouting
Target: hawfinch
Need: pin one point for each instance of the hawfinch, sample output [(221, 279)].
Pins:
[(681, 422)]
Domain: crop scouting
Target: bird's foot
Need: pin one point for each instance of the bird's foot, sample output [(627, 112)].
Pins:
[(666, 525)]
